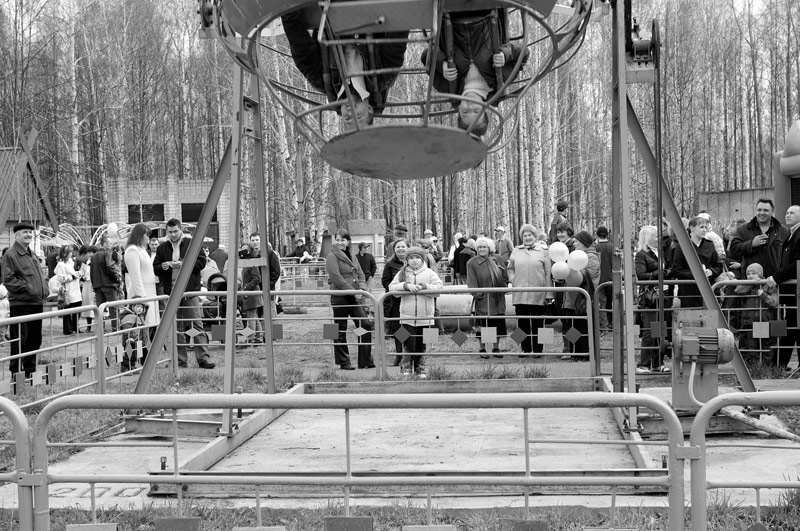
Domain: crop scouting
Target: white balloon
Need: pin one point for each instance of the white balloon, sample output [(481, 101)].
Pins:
[(112, 230), (560, 270), (578, 259), (575, 278), (558, 252)]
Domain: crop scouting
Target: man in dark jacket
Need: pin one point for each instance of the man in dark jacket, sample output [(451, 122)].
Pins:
[(605, 295), (27, 290), (788, 294), (166, 265), (760, 240), (366, 261), (369, 92), (106, 281)]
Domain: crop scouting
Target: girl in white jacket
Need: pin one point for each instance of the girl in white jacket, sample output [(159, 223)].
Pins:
[(416, 309)]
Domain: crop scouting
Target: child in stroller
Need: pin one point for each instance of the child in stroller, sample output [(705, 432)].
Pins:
[(132, 326)]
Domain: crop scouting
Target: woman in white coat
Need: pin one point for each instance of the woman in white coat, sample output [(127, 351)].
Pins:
[(70, 279), (141, 279)]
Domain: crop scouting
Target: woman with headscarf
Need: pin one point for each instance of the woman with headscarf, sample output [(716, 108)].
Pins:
[(487, 270)]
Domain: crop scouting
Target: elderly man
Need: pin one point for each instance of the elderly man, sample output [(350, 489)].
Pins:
[(788, 271), (760, 240), (504, 245), (27, 290)]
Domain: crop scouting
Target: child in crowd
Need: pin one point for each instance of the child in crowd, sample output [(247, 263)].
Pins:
[(754, 305), (416, 310)]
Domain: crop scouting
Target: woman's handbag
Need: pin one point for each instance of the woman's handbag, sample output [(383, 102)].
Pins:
[(368, 322), (648, 298)]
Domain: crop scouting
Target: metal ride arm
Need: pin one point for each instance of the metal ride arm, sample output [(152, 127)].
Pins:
[(665, 201), (685, 243)]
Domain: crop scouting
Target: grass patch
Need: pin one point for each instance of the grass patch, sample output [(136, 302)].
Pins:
[(534, 371), (722, 516), (440, 372)]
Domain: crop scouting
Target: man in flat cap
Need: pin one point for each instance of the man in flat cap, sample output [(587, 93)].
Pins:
[(27, 291)]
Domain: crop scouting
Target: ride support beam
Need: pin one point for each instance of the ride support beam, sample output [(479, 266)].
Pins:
[(674, 217)]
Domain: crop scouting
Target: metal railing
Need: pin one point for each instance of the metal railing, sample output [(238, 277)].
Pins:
[(672, 479), (697, 452)]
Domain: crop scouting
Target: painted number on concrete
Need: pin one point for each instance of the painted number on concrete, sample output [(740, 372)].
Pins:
[(108, 492)]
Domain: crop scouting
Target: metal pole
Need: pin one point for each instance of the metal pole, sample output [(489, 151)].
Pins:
[(195, 244), (233, 239), (623, 280), (261, 209)]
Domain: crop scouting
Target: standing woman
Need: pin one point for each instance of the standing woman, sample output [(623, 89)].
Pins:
[(65, 271), (391, 305), (529, 267), (83, 266), (689, 294), (648, 261), (344, 273), (141, 278), (486, 270)]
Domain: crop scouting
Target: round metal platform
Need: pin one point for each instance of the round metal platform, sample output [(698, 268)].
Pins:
[(404, 151)]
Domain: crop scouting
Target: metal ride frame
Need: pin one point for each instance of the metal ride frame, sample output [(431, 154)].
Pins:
[(625, 125), (246, 103), (411, 121)]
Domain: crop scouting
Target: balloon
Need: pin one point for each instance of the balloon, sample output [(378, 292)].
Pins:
[(574, 279), (560, 270), (558, 252), (577, 260), (112, 230)]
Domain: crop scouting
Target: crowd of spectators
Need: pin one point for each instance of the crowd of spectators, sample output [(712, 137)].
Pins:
[(762, 250)]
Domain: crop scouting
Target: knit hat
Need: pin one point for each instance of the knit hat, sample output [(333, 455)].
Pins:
[(755, 267), (23, 225), (500, 228), (527, 227), (705, 215), (419, 251), (428, 232), (400, 228), (585, 238), (602, 232)]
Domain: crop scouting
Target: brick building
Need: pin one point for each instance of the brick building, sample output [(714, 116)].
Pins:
[(132, 201)]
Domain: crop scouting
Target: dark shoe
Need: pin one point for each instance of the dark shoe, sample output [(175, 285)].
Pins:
[(484, 356), (205, 364), (124, 367), (182, 365), (366, 367), (495, 353), (347, 367)]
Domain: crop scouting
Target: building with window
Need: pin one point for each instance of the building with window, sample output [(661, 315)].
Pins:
[(133, 201)]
